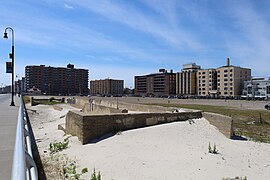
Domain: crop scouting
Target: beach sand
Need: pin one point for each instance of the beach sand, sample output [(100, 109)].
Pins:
[(171, 151)]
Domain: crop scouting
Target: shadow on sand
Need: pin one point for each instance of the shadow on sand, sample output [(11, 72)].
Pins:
[(239, 138), (106, 136)]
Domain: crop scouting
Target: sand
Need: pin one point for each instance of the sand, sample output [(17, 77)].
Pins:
[(171, 151)]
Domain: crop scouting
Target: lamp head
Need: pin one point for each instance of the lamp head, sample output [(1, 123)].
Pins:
[(5, 35)]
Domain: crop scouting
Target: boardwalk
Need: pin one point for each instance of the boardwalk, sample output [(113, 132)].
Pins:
[(8, 122)]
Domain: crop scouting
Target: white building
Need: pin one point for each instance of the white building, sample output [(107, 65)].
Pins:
[(257, 88)]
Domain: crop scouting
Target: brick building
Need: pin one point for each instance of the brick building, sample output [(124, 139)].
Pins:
[(230, 79), (207, 82), (157, 84), (107, 87), (57, 80)]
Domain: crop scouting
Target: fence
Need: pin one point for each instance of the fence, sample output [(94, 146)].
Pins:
[(24, 166)]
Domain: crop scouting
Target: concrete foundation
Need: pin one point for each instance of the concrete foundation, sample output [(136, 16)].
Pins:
[(99, 117), (89, 127), (223, 123)]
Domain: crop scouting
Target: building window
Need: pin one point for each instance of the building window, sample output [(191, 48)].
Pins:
[(203, 72), (267, 89), (231, 70), (225, 70)]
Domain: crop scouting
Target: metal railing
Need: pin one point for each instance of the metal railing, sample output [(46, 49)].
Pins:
[(24, 166)]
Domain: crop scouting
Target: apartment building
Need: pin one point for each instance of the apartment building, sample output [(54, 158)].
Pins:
[(186, 80), (257, 88), (57, 80), (107, 87), (207, 82), (230, 79), (157, 84)]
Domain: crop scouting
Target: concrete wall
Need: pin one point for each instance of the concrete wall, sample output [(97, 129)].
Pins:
[(89, 127), (80, 103), (90, 108), (131, 107), (223, 123)]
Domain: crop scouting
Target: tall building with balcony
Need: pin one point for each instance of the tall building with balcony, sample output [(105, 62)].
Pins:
[(230, 79), (156, 84), (57, 80), (207, 82), (107, 87), (186, 80)]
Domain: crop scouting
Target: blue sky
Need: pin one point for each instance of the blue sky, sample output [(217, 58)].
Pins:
[(123, 38)]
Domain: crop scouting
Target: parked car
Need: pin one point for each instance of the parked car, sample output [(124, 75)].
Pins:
[(267, 106)]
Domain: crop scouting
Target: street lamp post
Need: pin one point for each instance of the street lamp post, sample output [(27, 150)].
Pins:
[(12, 58)]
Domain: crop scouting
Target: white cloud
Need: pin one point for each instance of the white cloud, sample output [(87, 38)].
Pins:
[(133, 18), (67, 6), (250, 44)]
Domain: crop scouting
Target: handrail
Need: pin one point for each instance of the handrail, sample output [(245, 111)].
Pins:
[(24, 167)]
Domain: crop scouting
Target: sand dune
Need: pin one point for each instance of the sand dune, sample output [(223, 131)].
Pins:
[(172, 151)]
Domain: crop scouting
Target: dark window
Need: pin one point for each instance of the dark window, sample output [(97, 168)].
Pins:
[(267, 89)]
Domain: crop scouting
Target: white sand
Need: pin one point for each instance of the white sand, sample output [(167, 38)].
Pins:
[(165, 152)]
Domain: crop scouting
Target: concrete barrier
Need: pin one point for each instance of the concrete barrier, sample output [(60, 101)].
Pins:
[(81, 101), (89, 127), (223, 123), (90, 108)]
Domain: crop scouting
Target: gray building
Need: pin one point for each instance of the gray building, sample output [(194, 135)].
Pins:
[(257, 88)]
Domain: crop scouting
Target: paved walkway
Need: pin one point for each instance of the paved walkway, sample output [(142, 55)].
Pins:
[(8, 122)]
